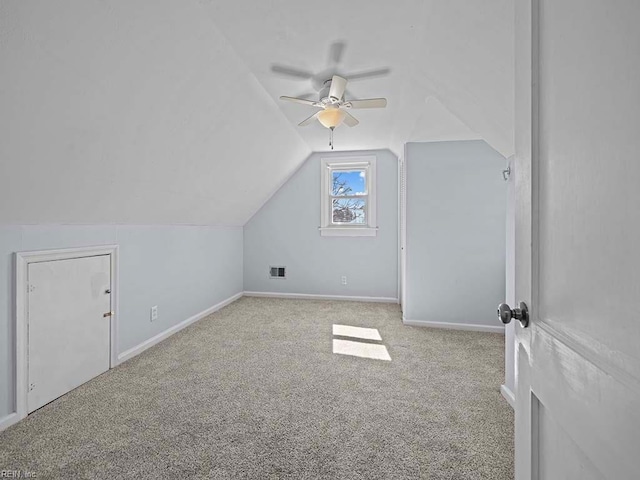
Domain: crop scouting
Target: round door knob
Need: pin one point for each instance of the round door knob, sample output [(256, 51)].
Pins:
[(506, 313)]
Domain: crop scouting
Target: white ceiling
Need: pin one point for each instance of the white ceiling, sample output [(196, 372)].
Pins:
[(168, 111), (456, 51)]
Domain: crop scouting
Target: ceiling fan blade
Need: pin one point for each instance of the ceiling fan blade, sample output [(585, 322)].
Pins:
[(309, 120), (303, 101), (338, 85), (291, 72), (381, 72), (350, 120), (367, 103), (336, 50)]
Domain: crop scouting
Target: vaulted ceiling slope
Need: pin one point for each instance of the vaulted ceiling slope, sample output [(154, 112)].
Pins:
[(133, 112), (167, 111), (456, 53)]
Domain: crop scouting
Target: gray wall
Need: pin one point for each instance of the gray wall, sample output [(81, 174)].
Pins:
[(184, 270), (456, 211), (285, 232)]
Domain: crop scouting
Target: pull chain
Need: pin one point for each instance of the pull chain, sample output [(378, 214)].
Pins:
[(331, 137)]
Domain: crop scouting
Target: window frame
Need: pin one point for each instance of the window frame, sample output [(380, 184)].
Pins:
[(350, 163)]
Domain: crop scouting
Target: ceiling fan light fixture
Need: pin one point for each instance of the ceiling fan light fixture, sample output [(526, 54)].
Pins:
[(331, 117)]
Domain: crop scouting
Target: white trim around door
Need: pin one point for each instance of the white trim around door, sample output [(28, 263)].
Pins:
[(23, 259)]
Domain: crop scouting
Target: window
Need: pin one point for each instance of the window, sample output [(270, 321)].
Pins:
[(348, 196)]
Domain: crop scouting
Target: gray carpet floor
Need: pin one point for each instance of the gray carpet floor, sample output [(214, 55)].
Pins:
[(255, 391)]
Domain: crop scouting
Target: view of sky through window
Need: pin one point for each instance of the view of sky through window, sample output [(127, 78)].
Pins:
[(349, 183), (344, 184)]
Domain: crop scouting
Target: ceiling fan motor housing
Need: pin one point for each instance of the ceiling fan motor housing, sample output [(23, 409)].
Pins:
[(324, 94)]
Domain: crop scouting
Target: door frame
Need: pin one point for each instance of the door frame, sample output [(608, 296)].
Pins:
[(402, 229), (22, 261), (526, 140)]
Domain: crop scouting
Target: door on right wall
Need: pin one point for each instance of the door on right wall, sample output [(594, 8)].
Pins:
[(577, 239)]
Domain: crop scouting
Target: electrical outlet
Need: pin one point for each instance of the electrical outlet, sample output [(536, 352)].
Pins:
[(154, 313), (344, 280)]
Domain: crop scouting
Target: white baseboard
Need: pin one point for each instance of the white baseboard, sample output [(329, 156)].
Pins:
[(454, 326), (313, 296), (9, 420), (14, 417), (508, 396), (138, 349)]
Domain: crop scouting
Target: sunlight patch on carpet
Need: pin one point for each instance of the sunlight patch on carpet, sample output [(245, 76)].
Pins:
[(363, 350), (356, 332)]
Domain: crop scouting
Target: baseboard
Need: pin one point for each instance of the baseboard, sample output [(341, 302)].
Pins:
[(138, 349), (508, 396), (9, 420), (313, 296), (454, 326)]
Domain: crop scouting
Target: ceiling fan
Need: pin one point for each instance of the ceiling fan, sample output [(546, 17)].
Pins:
[(333, 106), (319, 78)]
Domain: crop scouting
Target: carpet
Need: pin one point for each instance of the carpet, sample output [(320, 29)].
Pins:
[(255, 391)]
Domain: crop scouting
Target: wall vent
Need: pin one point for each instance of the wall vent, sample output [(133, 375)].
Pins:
[(277, 272)]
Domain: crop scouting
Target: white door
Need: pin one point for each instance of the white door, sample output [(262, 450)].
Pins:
[(578, 239), (69, 336)]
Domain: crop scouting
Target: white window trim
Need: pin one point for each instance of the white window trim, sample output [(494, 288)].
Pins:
[(327, 229)]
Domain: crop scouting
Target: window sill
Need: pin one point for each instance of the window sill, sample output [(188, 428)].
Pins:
[(348, 231)]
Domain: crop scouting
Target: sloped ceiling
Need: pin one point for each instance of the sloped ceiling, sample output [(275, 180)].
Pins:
[(167, 111)]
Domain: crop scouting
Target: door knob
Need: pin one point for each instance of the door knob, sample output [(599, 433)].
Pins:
[(505, 313)]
